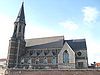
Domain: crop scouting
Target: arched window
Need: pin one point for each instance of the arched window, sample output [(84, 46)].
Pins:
[(20, 28), (45, 61), (41, 60), (37, 61), (38, 52), (46, 52), (22, 61), (29, 61), (53, 60), (65, 57), (15, 29), (54, 52)]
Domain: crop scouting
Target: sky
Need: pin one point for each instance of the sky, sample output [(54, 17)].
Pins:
[(73, 19)]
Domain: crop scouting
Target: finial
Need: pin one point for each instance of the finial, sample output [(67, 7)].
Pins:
[(23, 3)]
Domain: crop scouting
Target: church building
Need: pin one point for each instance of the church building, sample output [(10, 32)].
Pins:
[(44, 53)]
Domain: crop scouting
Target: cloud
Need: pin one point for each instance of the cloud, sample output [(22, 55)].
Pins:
[(90, 14), (70, 25)]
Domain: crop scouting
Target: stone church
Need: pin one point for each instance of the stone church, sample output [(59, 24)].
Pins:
[(44, 53)]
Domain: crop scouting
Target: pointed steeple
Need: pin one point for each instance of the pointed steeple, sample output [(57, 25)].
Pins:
[(21, 15), (17, 42), (19, 28)]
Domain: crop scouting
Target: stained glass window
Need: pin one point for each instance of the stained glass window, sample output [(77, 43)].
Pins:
[(65, 57)]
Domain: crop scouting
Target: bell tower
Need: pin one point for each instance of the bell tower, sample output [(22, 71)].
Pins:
[(17, 42), (19, 28)]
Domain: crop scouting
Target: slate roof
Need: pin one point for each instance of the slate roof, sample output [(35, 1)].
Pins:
[(21, 15), (77, 44), (47, 42), (55, 42)]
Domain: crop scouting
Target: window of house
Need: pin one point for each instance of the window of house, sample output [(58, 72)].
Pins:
[(80, 64), (22, 61), (42, 53), (33, 60), (79, 53), (38, 52), (49, 59), (46, 52), (31, 52), (53, 60), (45, 61), (15, 29), (34, 53), (29, 61), (65, 57), (41, 60), (19, 28), (54, 52), (37, 61)]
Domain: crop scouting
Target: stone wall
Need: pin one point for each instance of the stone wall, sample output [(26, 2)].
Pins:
[(54, 72), (81, 58), (71, 63)]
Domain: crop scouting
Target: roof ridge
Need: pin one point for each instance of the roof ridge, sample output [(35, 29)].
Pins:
[(45, 37)]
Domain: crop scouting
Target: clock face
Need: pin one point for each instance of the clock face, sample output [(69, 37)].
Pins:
[(79, 53)]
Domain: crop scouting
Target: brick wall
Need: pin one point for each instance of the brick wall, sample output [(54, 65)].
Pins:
[(54, 72)]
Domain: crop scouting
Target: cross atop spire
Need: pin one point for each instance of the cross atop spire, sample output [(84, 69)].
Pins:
[(21, 16)]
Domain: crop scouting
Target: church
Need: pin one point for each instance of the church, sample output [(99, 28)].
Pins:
[(44, 53)]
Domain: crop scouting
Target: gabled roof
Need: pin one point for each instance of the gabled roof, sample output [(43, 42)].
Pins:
[(77, 44), (47, 42)]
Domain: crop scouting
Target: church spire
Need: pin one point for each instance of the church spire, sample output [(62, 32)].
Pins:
[(21, 15), (20, 24), (17, 43)]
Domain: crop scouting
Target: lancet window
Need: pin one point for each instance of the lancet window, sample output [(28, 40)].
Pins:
[(65, 57)]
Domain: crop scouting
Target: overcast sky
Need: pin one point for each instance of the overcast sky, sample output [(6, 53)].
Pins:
[(74, 19)]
